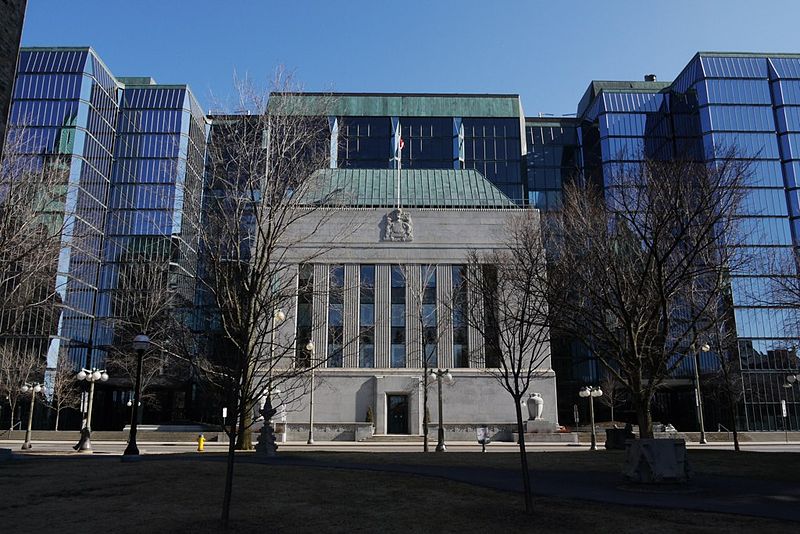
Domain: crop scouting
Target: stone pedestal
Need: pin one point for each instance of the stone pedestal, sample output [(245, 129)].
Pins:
[(266, 438), (649, 461)]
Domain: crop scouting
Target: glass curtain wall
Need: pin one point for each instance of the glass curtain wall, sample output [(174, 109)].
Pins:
[(552, 159), (65, 111)]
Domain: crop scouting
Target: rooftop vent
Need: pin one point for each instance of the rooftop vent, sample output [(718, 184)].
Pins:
[(649, 77)]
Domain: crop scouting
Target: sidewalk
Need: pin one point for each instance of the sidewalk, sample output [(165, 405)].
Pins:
[(151, 446)]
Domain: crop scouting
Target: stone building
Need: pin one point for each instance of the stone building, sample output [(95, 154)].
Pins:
[(383, 284)]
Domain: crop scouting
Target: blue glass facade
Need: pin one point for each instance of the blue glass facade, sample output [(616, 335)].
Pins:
[(134, 150), (722, 102), (66, 107)]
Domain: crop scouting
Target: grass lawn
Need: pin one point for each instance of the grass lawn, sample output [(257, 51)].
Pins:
[(759, 465), (180, 494)]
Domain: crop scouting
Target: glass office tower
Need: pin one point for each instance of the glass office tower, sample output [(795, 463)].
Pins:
[(748, 103), (66, 106), (134, 150)]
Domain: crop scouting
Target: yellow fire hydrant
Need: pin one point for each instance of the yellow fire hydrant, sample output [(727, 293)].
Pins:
[(201, 441)]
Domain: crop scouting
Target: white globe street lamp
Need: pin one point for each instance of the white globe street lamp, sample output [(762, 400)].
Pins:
[(311, 349), (90, 375), (33, 389), (438, 374), (591, 392)]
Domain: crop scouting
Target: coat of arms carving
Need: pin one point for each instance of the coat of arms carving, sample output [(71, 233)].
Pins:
[(398, 226)]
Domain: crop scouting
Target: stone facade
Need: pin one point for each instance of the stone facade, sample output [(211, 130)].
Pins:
[(352, 237)]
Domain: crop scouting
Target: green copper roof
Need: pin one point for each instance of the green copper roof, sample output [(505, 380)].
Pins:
[(420, 188), (395, 105)]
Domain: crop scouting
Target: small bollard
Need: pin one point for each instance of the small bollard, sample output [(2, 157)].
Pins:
[(201, 441)]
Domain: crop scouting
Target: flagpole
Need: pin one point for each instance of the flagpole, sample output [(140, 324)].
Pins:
[(399, 167), (399, 149)]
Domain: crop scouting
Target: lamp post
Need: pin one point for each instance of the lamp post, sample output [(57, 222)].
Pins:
[(591, 392), (277, 318), (34, 389), (439, 374), (91, 376), (140, 344), (698, 397), (310, 348), (791, 380)]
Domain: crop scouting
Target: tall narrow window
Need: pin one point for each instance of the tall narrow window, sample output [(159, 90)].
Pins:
[(335, 315), (398, 317), (366, 317), (460, 340), (305, 302), (430, 333), (491, 337)]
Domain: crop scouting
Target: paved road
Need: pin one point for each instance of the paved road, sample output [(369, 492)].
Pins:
[(116, 447)]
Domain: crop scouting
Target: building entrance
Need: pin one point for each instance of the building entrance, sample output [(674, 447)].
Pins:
[(397, 410)]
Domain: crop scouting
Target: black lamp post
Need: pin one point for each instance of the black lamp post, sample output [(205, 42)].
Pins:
[(439, 374), (140, 344)]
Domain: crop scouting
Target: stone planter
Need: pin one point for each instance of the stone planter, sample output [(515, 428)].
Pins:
[(652, 461), (364, 431)]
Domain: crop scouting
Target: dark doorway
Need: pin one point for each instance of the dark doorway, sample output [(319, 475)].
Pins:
[(397, 408)]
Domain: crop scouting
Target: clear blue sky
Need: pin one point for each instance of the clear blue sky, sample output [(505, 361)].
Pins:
[(547, 51)]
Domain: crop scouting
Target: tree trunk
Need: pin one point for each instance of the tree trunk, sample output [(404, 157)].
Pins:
[(244, 437), (644, 418), (523, 458), (232, 434), (425, 420), (612, 411), (732, 409), (58, 413)]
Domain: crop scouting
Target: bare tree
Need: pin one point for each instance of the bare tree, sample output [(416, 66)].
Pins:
[(782, 289), (263, 197), (726, 385), (636, 266), (33, 191), (508, 307), (65, 393), (614, 393), (16, 368), (149, 300)]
